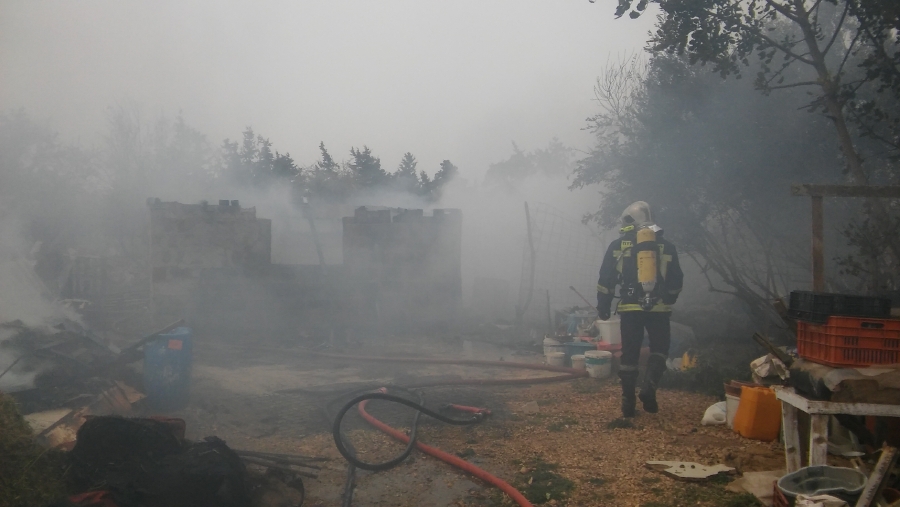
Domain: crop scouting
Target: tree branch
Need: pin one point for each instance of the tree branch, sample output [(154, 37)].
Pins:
[(783, 68), (847, 54), (837, 29), (783, 10), (786, 50), (794, 85)]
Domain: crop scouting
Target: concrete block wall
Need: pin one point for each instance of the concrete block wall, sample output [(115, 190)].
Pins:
[(407, 266), (185, 238)]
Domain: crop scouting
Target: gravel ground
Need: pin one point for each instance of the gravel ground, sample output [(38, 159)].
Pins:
[(571, 429)]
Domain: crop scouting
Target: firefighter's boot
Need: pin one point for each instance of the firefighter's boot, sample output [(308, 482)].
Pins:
[(629, 384), (656, 366)]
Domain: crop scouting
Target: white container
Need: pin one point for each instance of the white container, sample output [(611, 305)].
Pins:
[(578, 362), (610, 330), (731, 406), (556, 358), (598, 363), (551, 345)]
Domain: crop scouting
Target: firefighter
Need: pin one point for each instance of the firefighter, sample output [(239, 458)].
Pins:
[(646, 267)]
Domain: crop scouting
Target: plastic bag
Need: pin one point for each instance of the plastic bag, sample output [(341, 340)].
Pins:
[(819, 501), (715, 414)]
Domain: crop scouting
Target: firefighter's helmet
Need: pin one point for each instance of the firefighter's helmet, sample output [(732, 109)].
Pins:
[(637, 214)]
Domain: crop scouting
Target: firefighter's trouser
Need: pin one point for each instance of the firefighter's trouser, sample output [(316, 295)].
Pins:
[(633, 325)]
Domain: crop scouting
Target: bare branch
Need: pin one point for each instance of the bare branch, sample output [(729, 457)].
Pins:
[(705, 271)]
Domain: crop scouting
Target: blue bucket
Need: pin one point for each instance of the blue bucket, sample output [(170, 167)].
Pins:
[(167, 369)]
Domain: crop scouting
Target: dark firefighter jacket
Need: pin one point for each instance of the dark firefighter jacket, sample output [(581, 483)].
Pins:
[(620, 268)]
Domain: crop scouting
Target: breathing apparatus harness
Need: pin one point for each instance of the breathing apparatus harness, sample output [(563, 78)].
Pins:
[(646, 252)]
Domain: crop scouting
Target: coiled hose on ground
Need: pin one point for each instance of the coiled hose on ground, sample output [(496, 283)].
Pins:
[(410, 440)]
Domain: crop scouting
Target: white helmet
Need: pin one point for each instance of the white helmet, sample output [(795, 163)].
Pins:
[(637, 213)]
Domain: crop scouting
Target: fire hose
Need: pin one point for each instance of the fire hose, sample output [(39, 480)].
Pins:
[(410, 440)]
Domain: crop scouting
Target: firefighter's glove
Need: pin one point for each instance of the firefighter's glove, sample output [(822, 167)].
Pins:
[(604, 302), (603, 311)]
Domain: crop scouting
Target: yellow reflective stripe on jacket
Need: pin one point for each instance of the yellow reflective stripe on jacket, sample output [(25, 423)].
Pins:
[(634, 307), (602, 290), (625, 251)]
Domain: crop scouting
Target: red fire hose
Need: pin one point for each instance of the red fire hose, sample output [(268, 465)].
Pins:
[(447, 458), (462, 362), (569, 374)]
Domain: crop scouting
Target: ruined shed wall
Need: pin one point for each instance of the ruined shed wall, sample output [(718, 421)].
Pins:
[(407, 265), (189, 237)]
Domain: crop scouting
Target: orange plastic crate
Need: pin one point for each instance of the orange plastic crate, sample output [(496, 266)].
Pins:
[(850, 341)]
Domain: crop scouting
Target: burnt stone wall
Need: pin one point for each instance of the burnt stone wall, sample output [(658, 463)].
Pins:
[(405, 265), (185, 238)]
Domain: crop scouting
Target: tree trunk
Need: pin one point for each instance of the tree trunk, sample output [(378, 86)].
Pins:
[(830, 87)]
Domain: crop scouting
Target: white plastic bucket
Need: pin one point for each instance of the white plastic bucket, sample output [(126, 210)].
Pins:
[(598, 363), (551, 345), (578, 362), (731, 406), (610, 330), (556, 358)]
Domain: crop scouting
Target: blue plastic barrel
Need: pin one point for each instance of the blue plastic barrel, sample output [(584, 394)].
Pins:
[(167, 369)]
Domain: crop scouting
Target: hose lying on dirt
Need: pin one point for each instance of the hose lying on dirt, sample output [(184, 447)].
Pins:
[(377, 467), (347, 451), (570, 373), (463, 362), (411, 441)]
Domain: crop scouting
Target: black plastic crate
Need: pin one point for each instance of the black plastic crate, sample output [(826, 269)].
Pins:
[(818, 306)]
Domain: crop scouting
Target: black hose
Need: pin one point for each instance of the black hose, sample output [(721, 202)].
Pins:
[(375, 467), (349, 486), (350, 478)]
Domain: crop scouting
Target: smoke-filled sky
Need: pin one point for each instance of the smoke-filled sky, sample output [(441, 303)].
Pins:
[(458, 80)]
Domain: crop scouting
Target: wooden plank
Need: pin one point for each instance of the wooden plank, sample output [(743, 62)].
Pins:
[(791, 436), (876, 481), (826, 407), (882, 191), (818, 439), (788, 395), (818, 244)]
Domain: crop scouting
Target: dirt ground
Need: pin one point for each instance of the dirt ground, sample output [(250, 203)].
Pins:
[(277, 399)]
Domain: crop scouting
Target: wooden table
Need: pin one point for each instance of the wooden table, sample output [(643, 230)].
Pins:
[(819, 412)]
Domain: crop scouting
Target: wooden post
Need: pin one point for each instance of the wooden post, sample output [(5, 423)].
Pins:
[(818, 439), (791, 436), (549, 316), (818, 244), (816, 192), (520, 310)]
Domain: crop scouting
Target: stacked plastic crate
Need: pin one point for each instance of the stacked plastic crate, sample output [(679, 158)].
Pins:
[(845, 331)]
